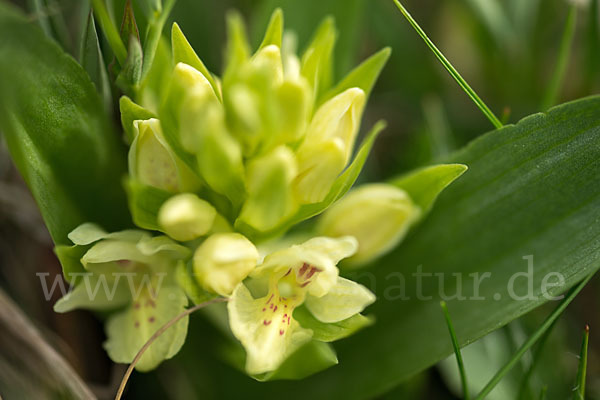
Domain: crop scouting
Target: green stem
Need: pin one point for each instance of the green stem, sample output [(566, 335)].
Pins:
[(562, 62), (459, 359), (453, 72), (532, 339), (155, 29), (524, 387), (110, 31), (582, 370)]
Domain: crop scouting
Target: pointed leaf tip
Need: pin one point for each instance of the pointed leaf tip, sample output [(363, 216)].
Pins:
[(274, 31), (184, 52), (364, 76)]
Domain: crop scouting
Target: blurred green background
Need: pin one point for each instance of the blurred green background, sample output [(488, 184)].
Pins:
[(506, 50)]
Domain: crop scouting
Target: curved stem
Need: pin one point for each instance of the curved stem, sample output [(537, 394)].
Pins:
[(156, 335)]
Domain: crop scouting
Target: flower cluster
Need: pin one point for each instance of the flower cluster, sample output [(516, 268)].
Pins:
[(223, 168)]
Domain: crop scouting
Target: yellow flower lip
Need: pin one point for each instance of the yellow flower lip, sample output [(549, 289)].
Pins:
[(304, 274)]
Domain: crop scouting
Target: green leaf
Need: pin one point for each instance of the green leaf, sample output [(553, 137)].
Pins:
[(57, 132), (364, 76), (317, 59), (238, 48), (110, 31), (92, 61), (144, 203), (331, 332), (274, 31), (528, 192), (129, 330), (424, 185), (183, 52), (130, 112)]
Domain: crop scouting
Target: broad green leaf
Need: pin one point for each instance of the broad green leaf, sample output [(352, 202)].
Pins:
[(528, 192), (274, 30), (364, 76), (129, 330), (331, 332), (424, 185), (340, 186), (57, 132), (183, 52), (144, 203), (130, 112)]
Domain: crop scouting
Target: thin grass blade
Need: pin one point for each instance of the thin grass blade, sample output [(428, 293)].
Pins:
[(582, 370), (533, 339), (564, 53), (457, 353), (450, 68)]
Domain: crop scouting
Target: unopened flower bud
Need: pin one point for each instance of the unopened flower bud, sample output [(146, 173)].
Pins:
[(328, 144), (377, 215), (223, 261), (153, 163), (186, 217), (270, 195)]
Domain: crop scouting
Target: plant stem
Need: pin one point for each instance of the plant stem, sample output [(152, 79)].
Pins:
[(153, 35), (532, 339), (562, 61), (156, 335), (110, 31), (524, 387), (459, 360), (453, 72), (582, 370)]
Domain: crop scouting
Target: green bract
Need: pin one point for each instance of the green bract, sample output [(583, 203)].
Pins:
[(220, 166)]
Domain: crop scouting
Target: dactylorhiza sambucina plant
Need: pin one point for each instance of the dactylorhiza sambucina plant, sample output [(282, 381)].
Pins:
[(224, 168)]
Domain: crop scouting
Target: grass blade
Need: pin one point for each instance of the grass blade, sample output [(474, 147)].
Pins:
[(581, 372), (459, 359), (562, 62), (533, 339), (110, 31), (543, 393), (525, 390), (450, 68)]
